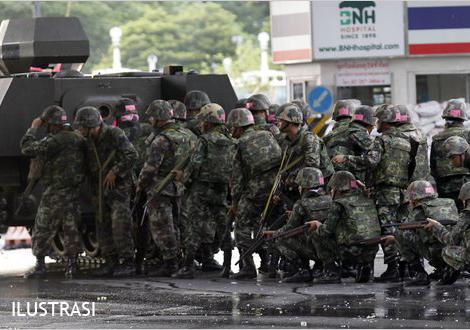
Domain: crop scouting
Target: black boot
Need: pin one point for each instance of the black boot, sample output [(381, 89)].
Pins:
[(227, 266), (168, 268), (391, 274), (302, 276), (449, 276), (71, 268), (127, 268), (331, 275), (248, 271), (39, 270), (317, 270), (107, 269), (403, 271), (421, 277), (347, 270), (264, 261), (273, 265), (436, 274), (209, 264), (364, 273), (188, 269)]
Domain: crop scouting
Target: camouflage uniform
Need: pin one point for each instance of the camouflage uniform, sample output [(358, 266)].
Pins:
[(114, 233), (62, 154), (259, 103), (342, 113), (352, 218), (209, 172), (449, 178), (255, 165), (415, 244), (194, 100), (314, 204), (353, 139), (168, 147)]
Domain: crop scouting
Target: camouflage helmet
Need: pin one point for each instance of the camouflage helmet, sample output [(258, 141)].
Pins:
[(465, 192), (304, 107), (405, 115), (291, 113), (344, 108), (310, 177), (455, 109), (125, 106), (342, 181), (257, 102), (364, 114), (160, 110), (195, 100), (455, 145), (54, 115), (388, 114), (179, 109), (88, 117), (212, 113), (240, 117), (420, 189)]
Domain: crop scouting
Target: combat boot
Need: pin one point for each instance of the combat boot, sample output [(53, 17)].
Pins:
[(227, 266), (391, 274), (330, 275), (347, 270), (449, 276), (107, 269), (39, 270), (403, 271), (302, 276), (264, 261), (364, 273), (273, 265), (168, 268), (209, 264), (188, 269), (71, 268), (248, 271), (420, 278), (127, 268), (317, 269), (436, 274)]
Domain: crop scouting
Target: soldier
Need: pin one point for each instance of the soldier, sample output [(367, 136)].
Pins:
[(179, 112), (194, 101), (313, 204), (457, 150), (456, 241), (259, 105), (449, 178), (127, 119), (352, 218), (307, 112), (419, 168), (110, 160), (301, 144), (62, 152), (354, 140), (342, 113), (416, 244), (272, 112), (209, 170), (255, 165), (168, 148), (389, 160)]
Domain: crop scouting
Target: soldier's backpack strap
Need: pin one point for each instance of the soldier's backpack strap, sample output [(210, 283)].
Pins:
[(414, 151)]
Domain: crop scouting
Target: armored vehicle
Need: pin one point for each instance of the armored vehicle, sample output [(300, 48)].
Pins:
[(40, 63)]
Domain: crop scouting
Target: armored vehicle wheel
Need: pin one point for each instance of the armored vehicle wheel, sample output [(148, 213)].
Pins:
[(90, 242)]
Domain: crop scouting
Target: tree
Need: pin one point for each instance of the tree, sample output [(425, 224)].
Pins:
[(196, 36)]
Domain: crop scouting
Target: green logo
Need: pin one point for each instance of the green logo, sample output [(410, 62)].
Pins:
[(357, 12)]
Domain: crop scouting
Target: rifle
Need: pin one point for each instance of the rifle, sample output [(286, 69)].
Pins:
[(369, 241), (34, 175), (416, 224), (261, 239)]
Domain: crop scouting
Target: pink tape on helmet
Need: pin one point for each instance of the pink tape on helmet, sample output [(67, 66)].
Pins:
[(130, 117), (251, 120), (455, 112), (63, 118), (353, 184), (403, 117), (248, 105), (343, 111), (129, 107), (429, 190), (321, 180), (222, 116), (358, 117), (398, 116), (271, 117)]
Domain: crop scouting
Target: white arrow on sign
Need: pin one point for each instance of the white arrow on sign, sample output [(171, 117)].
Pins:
[(317, 103)]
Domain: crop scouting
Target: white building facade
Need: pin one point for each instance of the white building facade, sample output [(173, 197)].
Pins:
[(376, 51)]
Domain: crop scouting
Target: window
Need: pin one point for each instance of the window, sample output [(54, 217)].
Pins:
[(441, 87)]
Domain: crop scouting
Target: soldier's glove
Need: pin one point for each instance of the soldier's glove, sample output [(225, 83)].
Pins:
[(338, 159), (314, 224), (268, 233), (387, 240)]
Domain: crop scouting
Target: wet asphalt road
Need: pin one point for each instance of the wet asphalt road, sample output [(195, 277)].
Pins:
[(210, 302)]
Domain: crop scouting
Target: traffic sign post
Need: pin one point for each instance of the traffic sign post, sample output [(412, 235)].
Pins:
[(320, 99)]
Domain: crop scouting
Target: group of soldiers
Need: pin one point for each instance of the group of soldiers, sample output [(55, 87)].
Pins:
[(194, 174)]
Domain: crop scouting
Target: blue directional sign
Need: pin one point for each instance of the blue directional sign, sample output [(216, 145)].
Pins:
[(320, 99)]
